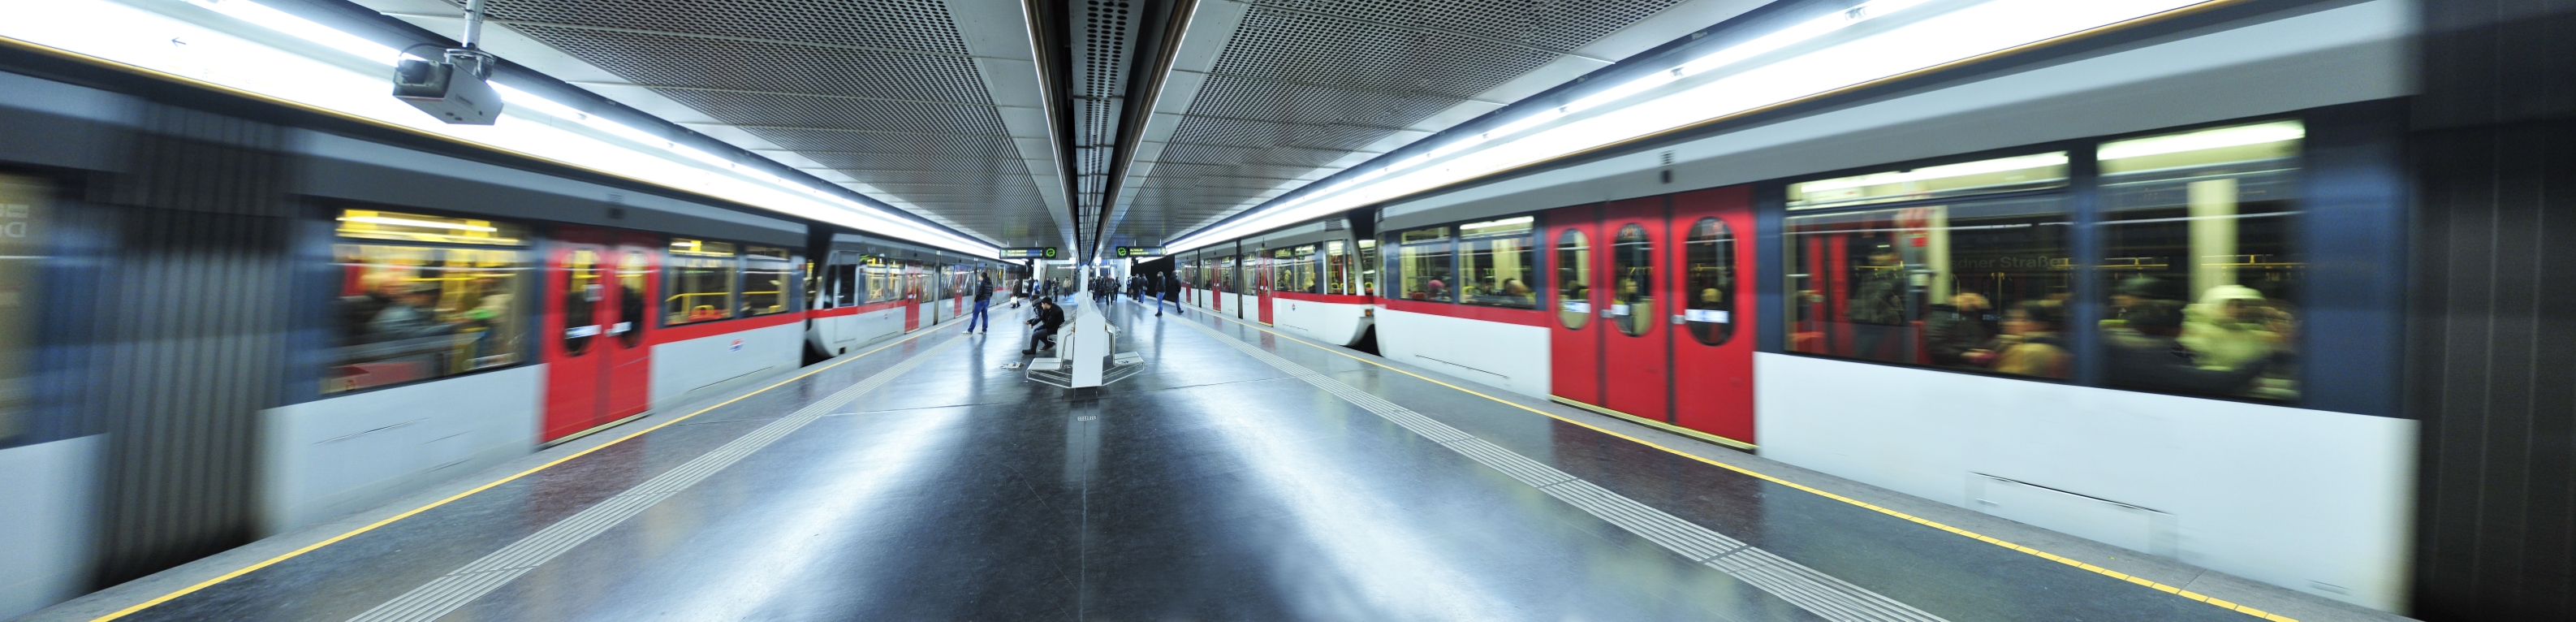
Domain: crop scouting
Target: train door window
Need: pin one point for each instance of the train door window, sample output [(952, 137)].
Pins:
[(634, 271), (765, 274), (1368, 268), (584, 288), (1930, 283), (440, 302), (1425, 264), (701, 282), (1709, 279), (1632, 276), (2202, 271), (1496, 262), (1573, 279)]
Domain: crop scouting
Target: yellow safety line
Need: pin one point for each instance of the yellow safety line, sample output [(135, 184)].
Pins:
[(371, 526), (2248, 610)]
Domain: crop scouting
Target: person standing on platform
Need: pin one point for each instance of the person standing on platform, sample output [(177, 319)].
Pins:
[(983, 301), (1171, 289)]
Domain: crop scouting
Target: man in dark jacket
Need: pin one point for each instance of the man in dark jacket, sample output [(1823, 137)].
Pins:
[(1042, 328), (983, 300)]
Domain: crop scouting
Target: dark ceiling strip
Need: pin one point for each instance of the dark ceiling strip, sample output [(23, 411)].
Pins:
[(1144, 91), (1046, 19)]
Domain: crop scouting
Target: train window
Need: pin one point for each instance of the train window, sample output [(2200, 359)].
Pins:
[(1497, 260), (382, 225), (701, 283), (1573, 279), (1708, 257), (1303, 279), (772, 252), (764, 283), (2018, 173), (1632, 274), (1935, 285), (2202, 270), (1424, 263), (410, 313), (24, 203), (1368, 268), (1337, 268), (881, 279)]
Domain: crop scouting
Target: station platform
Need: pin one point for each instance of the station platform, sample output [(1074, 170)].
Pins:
[(1246, 475)]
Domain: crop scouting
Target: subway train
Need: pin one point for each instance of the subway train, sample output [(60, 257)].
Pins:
[(2158, 308), (231, 319)]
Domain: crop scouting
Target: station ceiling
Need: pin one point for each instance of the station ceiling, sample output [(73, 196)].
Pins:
[(1071, 123)]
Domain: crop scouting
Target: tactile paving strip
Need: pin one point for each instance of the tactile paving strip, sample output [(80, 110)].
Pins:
[(1818, 593), (445, 594)]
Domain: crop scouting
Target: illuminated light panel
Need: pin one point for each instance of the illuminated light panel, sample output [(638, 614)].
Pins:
[(380, 220), (2221, 138), (530, 125), (1741, 78)]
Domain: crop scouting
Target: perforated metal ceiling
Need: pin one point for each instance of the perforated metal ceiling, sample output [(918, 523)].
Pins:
[(1303, 83), (883, 91)]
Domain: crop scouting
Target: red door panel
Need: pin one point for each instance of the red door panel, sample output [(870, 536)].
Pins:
[(911, 298), (637, 295), (1267, 280), (1574, 342), (1635, 348), (575, 288), (1712, 252)]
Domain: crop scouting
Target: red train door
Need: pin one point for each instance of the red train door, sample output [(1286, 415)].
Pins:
[(1574, 346), (635, 297), (911, 298), (577, 293), (1635, 351), (1266, 280), (1712, 349)]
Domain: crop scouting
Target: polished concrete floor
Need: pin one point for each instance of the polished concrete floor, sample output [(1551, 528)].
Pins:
[(1230, 481)]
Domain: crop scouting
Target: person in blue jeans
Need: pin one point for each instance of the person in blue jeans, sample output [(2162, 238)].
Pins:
[(983, 300)]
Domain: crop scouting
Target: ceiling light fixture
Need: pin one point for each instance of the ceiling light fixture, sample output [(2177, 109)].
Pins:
[(1838, 53)]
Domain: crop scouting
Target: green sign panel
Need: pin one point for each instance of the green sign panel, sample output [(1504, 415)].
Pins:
[(1030, 252), (1140, 251)]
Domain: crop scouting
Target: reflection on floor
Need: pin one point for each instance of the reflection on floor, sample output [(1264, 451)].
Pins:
[(1243, 477)]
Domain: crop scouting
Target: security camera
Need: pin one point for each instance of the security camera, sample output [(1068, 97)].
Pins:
[(452, 88)]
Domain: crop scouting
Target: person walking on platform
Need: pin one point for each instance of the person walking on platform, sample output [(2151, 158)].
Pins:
[(983, 301), (1042, 328), (1171, 289)]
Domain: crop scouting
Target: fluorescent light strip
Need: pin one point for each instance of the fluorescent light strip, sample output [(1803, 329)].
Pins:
[(150, 39), (1592, 122), (380, 220), (2279, 131)]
